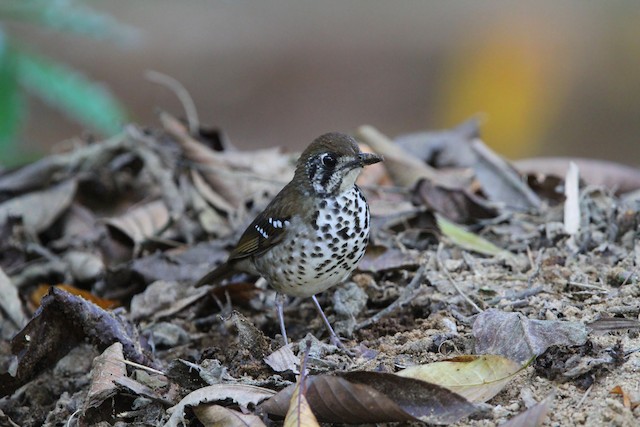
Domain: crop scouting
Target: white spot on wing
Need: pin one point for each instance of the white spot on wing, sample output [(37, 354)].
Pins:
[(262, 232)]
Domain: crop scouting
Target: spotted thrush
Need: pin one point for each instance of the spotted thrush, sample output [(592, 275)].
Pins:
[(313, 233)]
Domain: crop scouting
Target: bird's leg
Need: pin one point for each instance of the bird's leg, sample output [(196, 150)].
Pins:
[(280, 298), (335, 340)]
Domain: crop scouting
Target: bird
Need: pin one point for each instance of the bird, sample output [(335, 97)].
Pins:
[(313, 233)]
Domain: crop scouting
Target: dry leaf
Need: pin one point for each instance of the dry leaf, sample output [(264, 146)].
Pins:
[(468, 240), (500, 181), (476, 378), (107, 368), (241, 394), (532, 417), (40, 209), (300, 414), (141, 223), (517, 338), (616, 176), (404, 168), (374, 397), (283, 360), (219, 416), (42, 290), (10, 302)]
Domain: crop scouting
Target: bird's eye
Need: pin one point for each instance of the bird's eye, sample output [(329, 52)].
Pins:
[(329, 160)]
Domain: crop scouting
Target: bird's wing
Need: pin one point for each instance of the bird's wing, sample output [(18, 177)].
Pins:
[(267, 230)]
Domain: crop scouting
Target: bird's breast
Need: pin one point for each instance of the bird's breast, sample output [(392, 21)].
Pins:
[(320, 251)]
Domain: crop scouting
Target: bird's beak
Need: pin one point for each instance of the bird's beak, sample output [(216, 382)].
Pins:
[(369, 158)]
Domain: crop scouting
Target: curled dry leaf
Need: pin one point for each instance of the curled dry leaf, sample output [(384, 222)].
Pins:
[(283, 360), (517, 338), (40, 209), (241, 394), (219, 416), (10, 303), (500, 181), (444, 148), (534, 416), (62, 321), (107, 368), (621, 178), (457, 204), (42, 290), (476, 378), (404, 168), (142, 223), (373, 397), (299, 413)]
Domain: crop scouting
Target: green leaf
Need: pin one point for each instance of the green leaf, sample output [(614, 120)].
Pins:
[(66, 89), (68, 16), (467, 240), (11, 101)]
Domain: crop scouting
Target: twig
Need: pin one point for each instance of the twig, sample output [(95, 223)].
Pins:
[(183, 96), (405, 297), (584, 396), (536, 268), (138, 365), (517, 295), (453, 283)]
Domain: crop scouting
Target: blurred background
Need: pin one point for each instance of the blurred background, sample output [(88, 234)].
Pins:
[(548, 77)]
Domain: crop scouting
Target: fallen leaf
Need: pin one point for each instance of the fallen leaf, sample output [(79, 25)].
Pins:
[(40, 209), (457, 204), (300, 413), (62, 321), (42, 290), (374, 397), (141, 223), (10, 302), (616, 176), (219, 416), (476, 378), (500, 181), (283, 360), (107, 368), (532, 417), (517, 338), (241, 394), (468, 240), (404, 168), (609, 324), (443, 148)]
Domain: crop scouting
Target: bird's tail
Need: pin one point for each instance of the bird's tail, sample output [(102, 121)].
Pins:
[(214, 276)]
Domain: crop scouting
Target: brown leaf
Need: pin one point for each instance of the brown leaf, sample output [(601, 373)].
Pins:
[(10, 302), (621, 178), (532, 417), (500, 181), (141, 223), (404, 168), (517, 338), (62, 321), (107, 368), (219, 416), (42, 290), (373, 397), (241, 394), (457, 204), (300, 414), (40, 209)]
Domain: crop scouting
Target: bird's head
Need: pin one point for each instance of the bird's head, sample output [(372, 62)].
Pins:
[(331, 164)]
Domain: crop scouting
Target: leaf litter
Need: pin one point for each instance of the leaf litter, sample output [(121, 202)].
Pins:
[(536, 296)]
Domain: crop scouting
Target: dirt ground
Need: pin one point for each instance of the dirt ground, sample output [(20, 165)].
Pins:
[(198, 337)]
